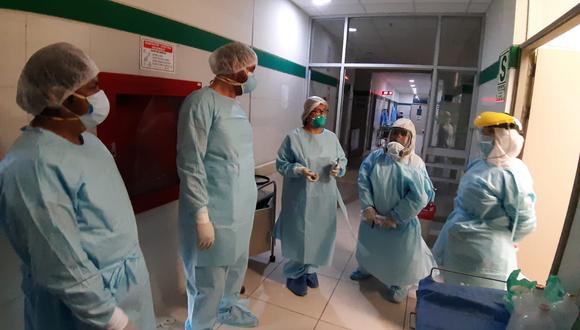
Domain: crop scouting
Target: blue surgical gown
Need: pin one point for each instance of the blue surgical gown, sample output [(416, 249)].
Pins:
[(476, 237), (215, 164), (68, 216), (307, 222), (398, 190)]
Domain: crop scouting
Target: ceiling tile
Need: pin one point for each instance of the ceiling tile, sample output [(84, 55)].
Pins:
[(441, 1), (312, 11), (341, 9), (380, 2), (478, 7), (385, 8), (441, 7)]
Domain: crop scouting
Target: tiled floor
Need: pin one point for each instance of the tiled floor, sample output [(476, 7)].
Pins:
[(339, 302)]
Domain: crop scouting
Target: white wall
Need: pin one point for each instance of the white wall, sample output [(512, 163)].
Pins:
[(498, 36), (282, 29), (405, 98), (542, 13), (279, 27)]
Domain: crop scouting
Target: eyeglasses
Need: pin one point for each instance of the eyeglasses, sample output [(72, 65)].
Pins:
[(399, 131), (318, 112)]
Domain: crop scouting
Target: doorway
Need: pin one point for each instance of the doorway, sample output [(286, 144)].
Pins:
[(546, 102), (374, 99)]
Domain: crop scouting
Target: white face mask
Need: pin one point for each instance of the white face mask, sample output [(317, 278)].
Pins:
[(395, 150), (98, 110)]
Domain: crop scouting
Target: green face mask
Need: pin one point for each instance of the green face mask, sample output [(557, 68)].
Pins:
[(319, 122)]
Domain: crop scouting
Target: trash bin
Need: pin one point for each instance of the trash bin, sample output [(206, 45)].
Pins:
[(262, 238), (426, 217)]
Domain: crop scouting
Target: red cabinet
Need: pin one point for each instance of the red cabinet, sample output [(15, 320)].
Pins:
[(141, 133)]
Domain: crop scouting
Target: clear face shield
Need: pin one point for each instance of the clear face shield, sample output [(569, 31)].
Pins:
[(398, 142), (497, 142)]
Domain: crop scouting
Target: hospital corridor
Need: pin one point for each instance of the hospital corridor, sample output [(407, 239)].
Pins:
[(289, 164)]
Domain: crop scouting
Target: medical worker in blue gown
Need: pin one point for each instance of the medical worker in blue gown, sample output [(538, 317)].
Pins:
[(65, 208), (393, 187), (493, 210), (310, 158), (218, 192)]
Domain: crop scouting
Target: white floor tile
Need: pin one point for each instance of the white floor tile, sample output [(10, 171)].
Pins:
[(265, 257), (328, 326), (273, 290), (339, 261), (410, 307), (361, 306), (276, 318), (350, 267), (255, 275)]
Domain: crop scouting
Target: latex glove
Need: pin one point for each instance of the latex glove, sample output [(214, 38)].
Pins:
[(130, 326), (369, 215), (335, 170), (385, 222), (309, 174), (205, 231), (119, 321)]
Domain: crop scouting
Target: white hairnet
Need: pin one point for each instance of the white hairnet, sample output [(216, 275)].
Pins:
[(232, 58), (51, 75), (311, 103)]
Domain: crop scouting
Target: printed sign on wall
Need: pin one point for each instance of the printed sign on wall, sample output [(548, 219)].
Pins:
[(157, 55)]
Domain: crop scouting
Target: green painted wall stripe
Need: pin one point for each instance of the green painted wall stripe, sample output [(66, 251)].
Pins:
[(323, 78), (490, 73), (117, 16), (278, 63)]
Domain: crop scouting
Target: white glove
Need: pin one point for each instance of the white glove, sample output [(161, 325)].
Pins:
[(309, 174), (119, 320), (205, 231), (385, 222), (370, 214), (130, 326), (335, 170)]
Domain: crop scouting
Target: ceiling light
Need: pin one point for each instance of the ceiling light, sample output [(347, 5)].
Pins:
[(412, 85), (320, 2), (351, 29), (411, 81)]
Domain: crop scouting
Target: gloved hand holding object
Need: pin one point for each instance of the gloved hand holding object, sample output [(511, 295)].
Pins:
[(370, 214), (385, 222), (335, 170), (309, 174), (205, 231)]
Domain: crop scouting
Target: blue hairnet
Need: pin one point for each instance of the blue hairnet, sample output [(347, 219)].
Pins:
[(232, 58), (51, 75)]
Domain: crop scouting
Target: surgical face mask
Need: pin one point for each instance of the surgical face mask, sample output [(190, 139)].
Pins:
[(250, 84), (395, 150), (486, 145), (98, 110), (319, 122)]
